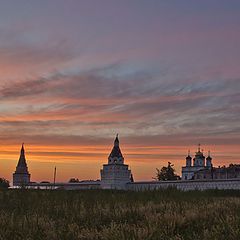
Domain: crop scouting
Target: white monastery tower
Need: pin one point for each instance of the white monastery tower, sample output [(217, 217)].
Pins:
[(21, 176), (115, 174)]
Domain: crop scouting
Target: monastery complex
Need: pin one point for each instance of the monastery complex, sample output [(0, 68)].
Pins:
[(198, 173)]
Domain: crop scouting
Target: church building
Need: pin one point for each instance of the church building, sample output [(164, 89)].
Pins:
[(199, 162), (21, 176), (115, 174)]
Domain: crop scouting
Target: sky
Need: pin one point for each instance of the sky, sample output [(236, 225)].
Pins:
[(165, 75)]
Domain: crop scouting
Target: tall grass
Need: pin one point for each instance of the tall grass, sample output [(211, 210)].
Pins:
[(98, 214)]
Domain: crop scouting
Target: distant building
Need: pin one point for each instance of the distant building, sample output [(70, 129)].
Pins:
[(231, 172), (115, 174), (199, 162), (21, 176)]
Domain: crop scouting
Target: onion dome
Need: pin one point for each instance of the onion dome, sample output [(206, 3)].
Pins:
[(188, 156), (209, 157)]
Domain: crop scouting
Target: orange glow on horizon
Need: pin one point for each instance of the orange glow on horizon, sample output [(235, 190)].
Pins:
[(84, 162)]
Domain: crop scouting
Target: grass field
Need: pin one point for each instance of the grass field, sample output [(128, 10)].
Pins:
[(96, 214)]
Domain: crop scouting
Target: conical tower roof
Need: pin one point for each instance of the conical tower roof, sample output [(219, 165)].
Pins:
[(22, 160), (116, 151), (22, 163)]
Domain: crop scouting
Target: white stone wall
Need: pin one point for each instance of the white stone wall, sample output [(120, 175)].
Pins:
[(186, 185), (142, 186)]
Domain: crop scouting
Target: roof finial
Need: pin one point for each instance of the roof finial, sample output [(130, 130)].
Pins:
[(22, 147), (188, 152), (116, 142), (209, 153), (199, 147)]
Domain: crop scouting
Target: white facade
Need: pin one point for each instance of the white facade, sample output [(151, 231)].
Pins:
[(188, 172), (115, 174)]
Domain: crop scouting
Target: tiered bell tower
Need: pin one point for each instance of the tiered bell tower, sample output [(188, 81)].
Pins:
[(21, 176), (115, 174)]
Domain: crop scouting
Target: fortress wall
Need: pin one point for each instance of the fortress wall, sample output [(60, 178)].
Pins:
[(186, 185), (233, 184)]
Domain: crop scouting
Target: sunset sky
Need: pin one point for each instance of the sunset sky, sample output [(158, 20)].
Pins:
[(165, 75)]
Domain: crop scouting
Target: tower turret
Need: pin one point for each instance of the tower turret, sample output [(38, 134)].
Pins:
[(21, 176), (115, 174), (188, 160), (209, 160)]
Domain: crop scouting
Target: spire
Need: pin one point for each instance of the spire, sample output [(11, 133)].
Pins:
[(209, 155), (116, 155), (22, 159), (116, 142), (22, 150), (199, 151), (188, 156), (199, 147)]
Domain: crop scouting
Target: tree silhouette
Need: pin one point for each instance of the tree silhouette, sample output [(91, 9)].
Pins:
[(166, 173), (74, 180), (4, 184)]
